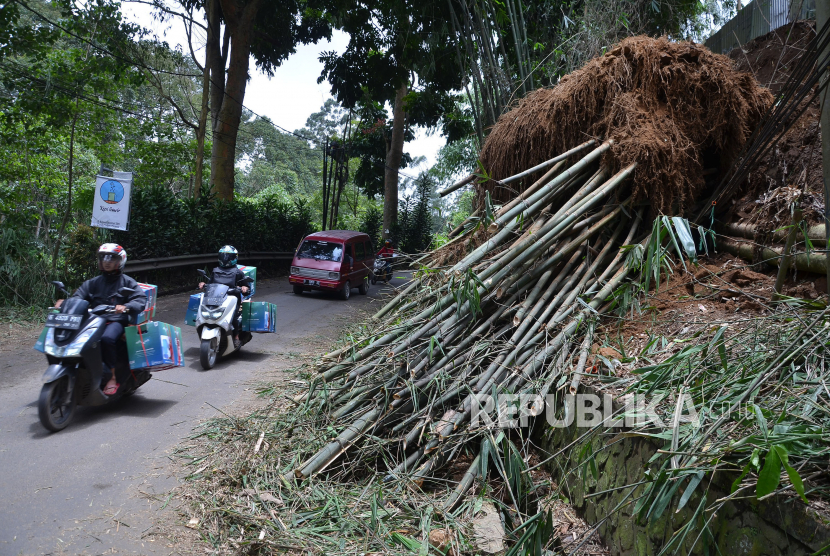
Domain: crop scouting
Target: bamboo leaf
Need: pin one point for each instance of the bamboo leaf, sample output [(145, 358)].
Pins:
[(737, 482), (670, 231), (690, 489), (795, 478), (762, 421), (770, 475), (407, 542)]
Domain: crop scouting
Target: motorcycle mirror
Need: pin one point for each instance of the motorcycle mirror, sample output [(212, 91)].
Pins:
[(202, 272), (248, 280), (60, 287)]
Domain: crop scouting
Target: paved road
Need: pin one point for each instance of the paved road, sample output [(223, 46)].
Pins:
[(96, 486)]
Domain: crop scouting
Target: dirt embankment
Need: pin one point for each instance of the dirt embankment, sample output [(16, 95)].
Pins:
[(793, 167)]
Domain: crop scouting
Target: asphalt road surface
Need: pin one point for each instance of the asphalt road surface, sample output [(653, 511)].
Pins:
[(97, 486)]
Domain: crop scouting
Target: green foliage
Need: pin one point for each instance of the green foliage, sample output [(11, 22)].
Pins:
[(372, 224), (413, 232), (24, 269), (269, 158), (164, 225), (79, 255)]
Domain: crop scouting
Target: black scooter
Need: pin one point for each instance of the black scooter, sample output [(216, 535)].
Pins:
[(382, 270), (76, 368)]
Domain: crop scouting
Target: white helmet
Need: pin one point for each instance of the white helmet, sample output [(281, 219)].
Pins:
[(107, 252)]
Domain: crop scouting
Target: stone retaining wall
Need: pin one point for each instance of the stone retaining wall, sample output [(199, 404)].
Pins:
[(777, 526)]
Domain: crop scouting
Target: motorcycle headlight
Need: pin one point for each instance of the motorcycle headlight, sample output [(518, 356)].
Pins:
[(295, 270), (74, 348), (215, 314), (334, 276)]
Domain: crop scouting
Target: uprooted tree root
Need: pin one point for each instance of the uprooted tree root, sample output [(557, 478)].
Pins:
[(671, 107)]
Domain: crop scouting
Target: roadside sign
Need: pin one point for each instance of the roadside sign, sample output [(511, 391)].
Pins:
[(111, 206)]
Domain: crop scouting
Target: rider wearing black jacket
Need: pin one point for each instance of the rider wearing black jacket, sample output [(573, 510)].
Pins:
[(103, 290), (228, 274)]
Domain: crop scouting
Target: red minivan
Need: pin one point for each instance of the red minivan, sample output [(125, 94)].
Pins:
[(334, 260)]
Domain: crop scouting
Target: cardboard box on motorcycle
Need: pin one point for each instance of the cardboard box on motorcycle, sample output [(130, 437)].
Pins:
[(149, 312), (154, 345), (249, 271), (193, 309), (259, 316)]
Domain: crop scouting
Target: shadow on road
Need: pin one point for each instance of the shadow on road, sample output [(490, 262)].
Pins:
[(192, 355), (133, 406)]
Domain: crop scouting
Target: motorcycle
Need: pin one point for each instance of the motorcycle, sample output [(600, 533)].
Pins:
[(214, 321), (382, 270), (76, 368)]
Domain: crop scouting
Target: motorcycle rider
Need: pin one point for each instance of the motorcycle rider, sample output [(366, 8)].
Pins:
[(229, 274), (103, 290)]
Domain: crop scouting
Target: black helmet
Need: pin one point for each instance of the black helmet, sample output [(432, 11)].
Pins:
[(228, 256)]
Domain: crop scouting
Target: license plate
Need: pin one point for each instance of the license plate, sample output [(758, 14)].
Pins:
[(311, 282), (67, 322)]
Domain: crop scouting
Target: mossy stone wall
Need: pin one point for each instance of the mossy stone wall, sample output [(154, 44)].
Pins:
[(777, 526)]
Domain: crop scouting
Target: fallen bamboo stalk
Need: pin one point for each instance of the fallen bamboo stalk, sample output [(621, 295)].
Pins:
[(584, 350), (814, 262), (550, 162), (532, 189), (561, 179), (333, 449), (457, 185), (748, 231), (458, 229), (464, 484)]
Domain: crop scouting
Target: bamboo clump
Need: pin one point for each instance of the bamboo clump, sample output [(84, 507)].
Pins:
[(512, 315)]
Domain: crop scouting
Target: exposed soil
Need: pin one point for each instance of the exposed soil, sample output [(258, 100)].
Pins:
[(722, 290), (793, 167)]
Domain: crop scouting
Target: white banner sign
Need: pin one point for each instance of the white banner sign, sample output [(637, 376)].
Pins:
[(111, 207)]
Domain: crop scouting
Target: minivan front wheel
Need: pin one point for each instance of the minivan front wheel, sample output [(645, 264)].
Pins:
[(347, 290), (298, 290)]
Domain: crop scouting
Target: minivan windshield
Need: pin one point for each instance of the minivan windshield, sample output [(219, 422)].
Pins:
[(321, 250)]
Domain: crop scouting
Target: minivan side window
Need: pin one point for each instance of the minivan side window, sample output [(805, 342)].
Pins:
[(370, 250), (349, 253), (359, 254)]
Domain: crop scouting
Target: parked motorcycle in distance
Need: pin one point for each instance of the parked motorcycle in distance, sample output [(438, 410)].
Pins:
[(214, 321), (73, 349)]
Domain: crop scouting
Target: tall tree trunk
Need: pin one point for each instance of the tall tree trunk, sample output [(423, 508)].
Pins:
[(213, 58), (202, 130), (325, 182), (239, 22), (66, 214), (393, 162)]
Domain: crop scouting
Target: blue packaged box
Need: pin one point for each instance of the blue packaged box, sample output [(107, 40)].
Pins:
[(154, 345), (193, 309), (249, 271), (259, 316), (40, 344), (149, 311)]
